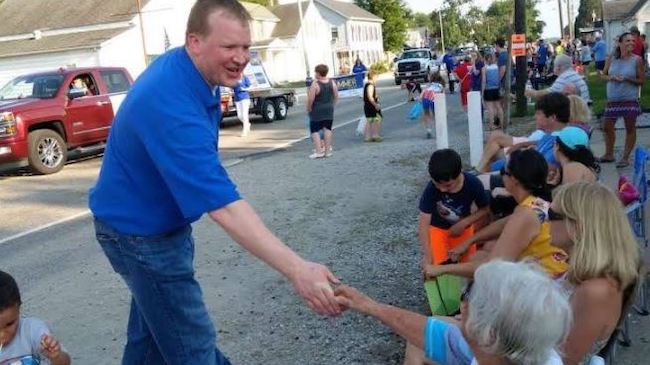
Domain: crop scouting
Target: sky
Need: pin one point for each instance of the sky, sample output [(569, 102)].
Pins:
[(548, 15)]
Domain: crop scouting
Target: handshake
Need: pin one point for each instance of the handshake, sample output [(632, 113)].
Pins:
[(313, 282)]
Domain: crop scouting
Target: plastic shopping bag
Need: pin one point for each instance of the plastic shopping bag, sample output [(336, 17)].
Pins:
[(307, 128), (361, 126), (416, 111), (627, 192)]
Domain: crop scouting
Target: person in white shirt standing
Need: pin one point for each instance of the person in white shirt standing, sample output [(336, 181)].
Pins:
[(243, 103)]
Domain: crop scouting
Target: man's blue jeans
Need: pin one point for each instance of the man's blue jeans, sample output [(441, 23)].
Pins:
[(168, 322)]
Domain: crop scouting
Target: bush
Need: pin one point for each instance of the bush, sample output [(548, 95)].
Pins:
[(381, 66)]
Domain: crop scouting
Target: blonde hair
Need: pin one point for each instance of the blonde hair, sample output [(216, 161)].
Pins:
[(579, 110), (604, 245)]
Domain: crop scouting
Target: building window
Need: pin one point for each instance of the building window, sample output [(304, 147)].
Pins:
[(335, 33)]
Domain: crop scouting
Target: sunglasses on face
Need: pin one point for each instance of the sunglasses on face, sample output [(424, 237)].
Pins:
[(555, 216), (464, 296)]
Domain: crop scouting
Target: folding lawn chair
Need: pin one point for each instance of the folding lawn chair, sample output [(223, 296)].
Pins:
[(636, 214)]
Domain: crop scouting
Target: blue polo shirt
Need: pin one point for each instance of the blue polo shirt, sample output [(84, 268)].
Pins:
[(161, 169), (542, 53), (600, 51), (449, 62), (240, 91)]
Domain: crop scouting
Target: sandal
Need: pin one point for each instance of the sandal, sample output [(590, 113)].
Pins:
[(604, 160), (622, 164)]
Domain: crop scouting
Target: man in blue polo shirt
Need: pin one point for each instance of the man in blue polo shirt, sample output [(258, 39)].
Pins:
[(600, 54), (542, 56), (161, 172), (450, 66)]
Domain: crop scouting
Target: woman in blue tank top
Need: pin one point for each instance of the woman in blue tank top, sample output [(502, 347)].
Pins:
[(491, 83), (624, 72)]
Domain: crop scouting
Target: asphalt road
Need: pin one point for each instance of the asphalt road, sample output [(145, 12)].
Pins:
[(31, 202), (47, 242)]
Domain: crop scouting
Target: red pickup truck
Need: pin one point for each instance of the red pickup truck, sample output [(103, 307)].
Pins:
[(48, 116)]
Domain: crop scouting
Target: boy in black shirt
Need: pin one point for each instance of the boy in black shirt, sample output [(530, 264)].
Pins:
[(446, 217)]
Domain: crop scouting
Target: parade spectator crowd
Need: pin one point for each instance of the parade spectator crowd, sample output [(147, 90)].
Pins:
[(546, 252)]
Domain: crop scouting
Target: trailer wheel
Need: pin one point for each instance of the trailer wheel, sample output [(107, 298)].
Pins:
[(281, 109), (268, 110)]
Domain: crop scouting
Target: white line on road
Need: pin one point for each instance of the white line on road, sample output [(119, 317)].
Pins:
[(338, 125), (228, 163), (44, 227)]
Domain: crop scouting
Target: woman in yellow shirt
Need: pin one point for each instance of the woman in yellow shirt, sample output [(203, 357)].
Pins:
[(525, 234)]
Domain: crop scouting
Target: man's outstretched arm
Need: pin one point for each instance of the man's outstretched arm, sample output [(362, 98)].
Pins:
[(311, 280)]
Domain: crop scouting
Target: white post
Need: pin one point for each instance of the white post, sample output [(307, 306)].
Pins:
[(475, 126), (440, 102)]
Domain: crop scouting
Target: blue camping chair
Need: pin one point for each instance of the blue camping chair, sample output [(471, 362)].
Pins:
[(636, 214), (636, 210)]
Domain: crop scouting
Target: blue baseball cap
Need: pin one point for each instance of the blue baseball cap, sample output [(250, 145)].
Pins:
[(572, 137)]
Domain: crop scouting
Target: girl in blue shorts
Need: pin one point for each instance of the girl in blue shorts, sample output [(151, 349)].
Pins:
[(428, 96)]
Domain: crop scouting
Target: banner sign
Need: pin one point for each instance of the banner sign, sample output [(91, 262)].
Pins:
[(255, 73), (349, 85)]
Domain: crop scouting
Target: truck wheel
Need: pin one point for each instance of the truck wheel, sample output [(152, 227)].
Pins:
[(268, 110), (397, 81), (427, 75), (281, 109), (47, 151)]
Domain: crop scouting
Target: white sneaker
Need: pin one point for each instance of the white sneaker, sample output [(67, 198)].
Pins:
[(316, 155), (329, 153)]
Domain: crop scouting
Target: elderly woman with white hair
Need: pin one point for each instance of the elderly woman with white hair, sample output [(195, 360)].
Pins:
[(568, 81), (512, 313)]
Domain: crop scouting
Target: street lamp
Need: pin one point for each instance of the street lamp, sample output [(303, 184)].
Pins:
[(442, 32), (144, 47), (302, 35)]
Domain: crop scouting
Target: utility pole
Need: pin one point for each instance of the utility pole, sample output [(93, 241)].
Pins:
[(302, 35), (521, 67), (144, 46), (559, 10), (442, 33), (569, 12)]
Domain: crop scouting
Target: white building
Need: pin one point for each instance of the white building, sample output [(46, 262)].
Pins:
[(352, 32), (38, 35), (620, 15), (418, 37), (43, 35)]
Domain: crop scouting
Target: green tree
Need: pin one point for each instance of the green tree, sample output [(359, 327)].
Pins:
[(261, 2), (585, 14), (498, 20), (395, 20), (456, 28), (418, 20)]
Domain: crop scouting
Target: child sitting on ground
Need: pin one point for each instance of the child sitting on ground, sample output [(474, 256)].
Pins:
[(25, 341), (446, 217)]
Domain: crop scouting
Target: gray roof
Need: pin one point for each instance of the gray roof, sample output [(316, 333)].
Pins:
[(25, 16), (63, 42), (620, 9), (349, 10), (289, 24), (258, 12), (638, 7)]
